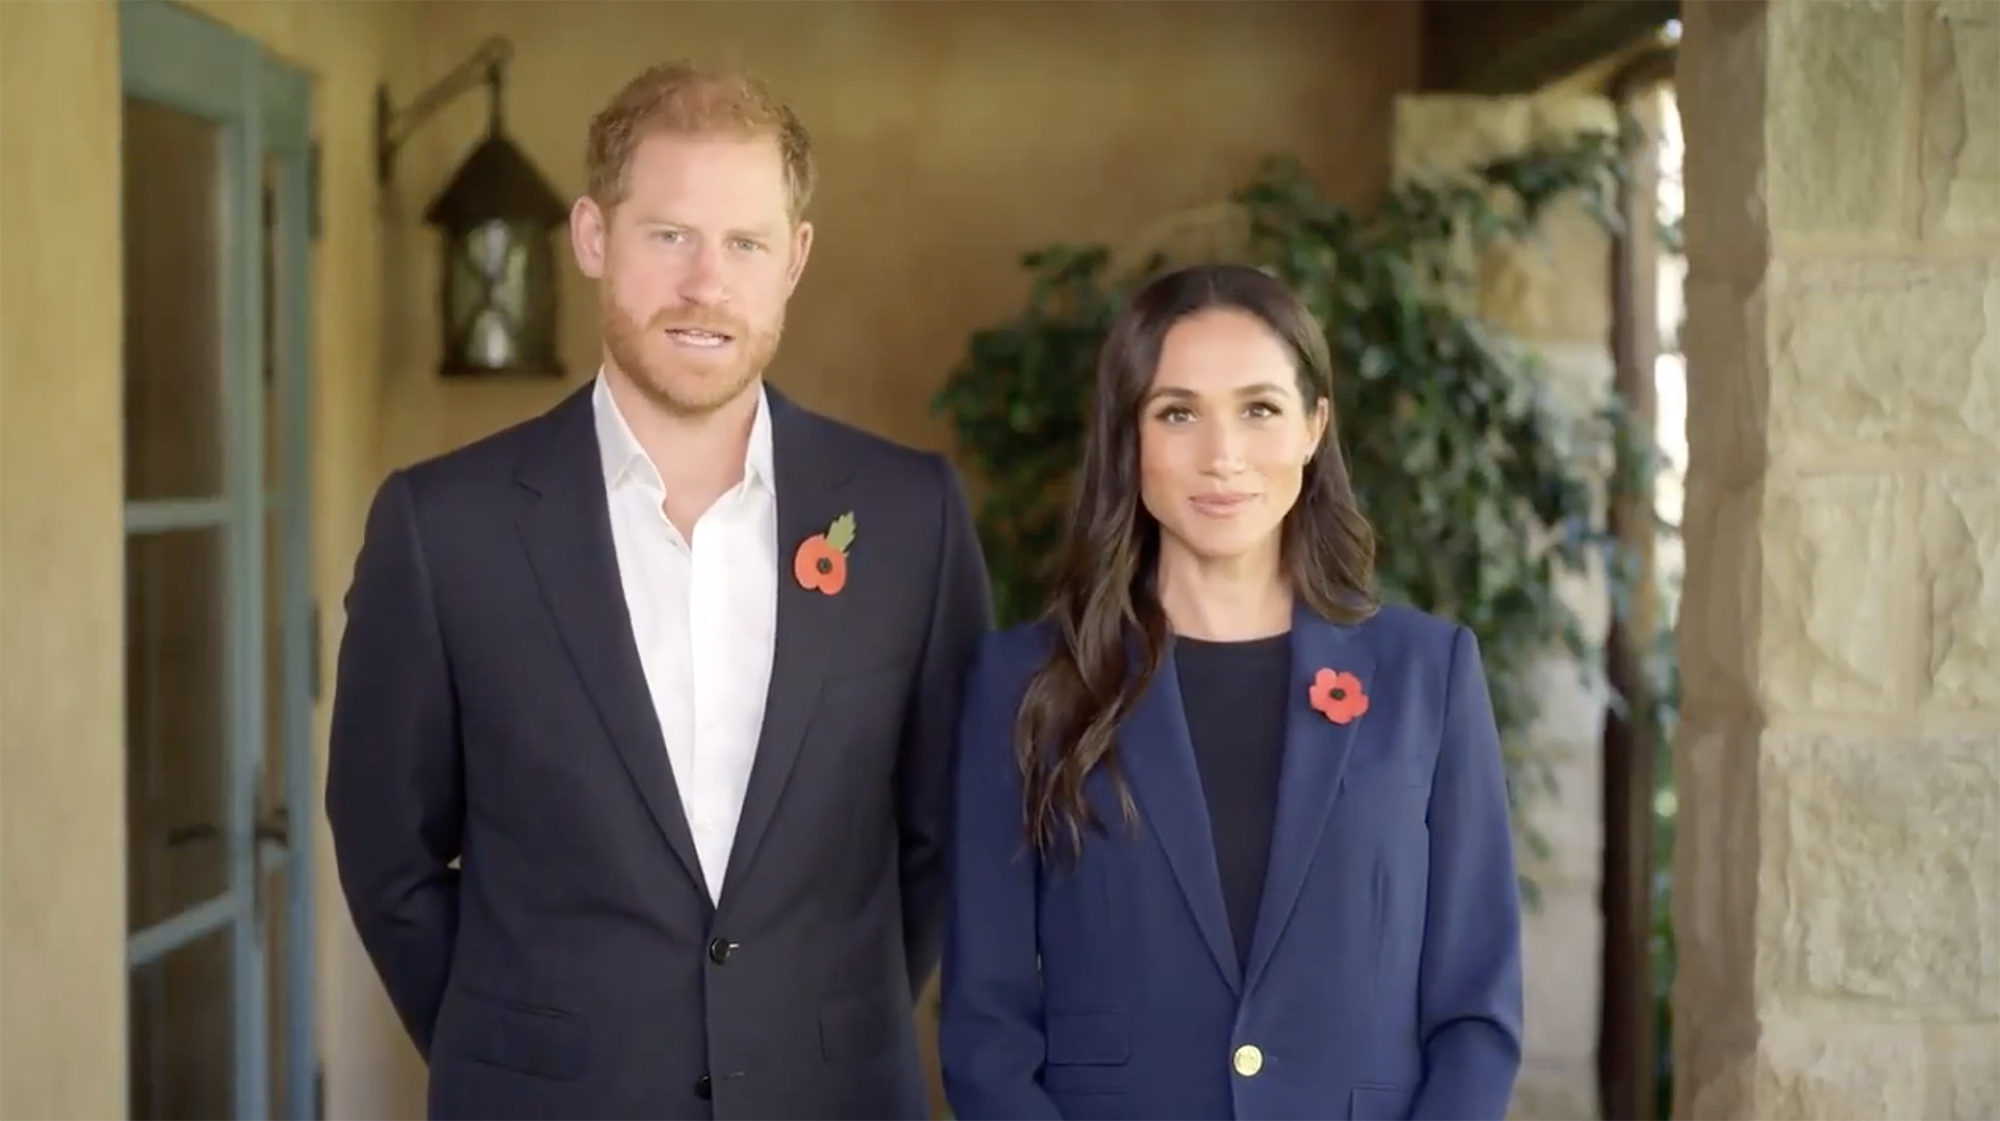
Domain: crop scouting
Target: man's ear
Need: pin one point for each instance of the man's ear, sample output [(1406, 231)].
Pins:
[(588, 227), (802, 243)]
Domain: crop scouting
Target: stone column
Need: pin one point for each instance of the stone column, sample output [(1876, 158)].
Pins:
[(1837, 881)]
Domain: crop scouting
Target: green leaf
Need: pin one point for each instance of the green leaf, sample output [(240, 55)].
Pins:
[(840, 534)]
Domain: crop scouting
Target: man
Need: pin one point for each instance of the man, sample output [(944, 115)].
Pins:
[(642, 736)]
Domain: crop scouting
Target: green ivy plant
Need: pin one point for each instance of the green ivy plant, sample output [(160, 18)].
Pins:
[(1482, 489)]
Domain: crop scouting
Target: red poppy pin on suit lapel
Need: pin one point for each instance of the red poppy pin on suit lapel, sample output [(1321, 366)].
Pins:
[(820, 565), (1338, 696)]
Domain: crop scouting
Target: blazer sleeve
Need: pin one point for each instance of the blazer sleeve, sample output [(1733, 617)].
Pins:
[(1469, 998), (961, 614), (990, 1039), (395, 795)]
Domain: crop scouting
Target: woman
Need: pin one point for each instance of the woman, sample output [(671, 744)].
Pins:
[(1232, 838)]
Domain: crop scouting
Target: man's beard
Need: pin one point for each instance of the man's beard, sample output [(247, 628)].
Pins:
[(687, 386)]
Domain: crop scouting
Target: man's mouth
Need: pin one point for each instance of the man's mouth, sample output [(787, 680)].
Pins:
[(699, 339)]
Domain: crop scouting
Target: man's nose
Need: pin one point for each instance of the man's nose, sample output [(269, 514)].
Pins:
[(703, 282)]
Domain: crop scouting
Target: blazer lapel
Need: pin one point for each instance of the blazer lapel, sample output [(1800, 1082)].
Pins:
[(567, 531), (1157, 755), (1316, 753), (809, 483)]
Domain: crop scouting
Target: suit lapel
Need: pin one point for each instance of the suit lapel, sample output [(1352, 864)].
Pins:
[(1157, 754), (567, 532), (1316, 753), (810, 484)]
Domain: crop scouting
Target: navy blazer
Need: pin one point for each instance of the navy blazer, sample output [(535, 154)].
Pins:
[(1384, 978)]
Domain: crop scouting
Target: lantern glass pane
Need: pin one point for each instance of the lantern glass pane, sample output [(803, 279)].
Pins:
[(499, 299), (464, 292), (491, 342), (489, 294), (502, 259)]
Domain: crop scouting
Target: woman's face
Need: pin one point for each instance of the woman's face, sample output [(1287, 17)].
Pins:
[(1224, 438)]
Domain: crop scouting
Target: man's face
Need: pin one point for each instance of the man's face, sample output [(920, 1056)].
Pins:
[(694, 267)]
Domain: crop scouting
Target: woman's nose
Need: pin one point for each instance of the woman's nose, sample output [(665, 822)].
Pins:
[(1225, 452)]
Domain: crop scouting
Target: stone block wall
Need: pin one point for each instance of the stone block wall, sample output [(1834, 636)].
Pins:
[(1837, 881)]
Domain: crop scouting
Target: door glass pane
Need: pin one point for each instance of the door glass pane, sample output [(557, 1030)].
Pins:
[(176, 722), (279, 998), (174, 244), (276, 331), (278, 593), (274, 757), (286, 743), (275, 818), (182, 1055)]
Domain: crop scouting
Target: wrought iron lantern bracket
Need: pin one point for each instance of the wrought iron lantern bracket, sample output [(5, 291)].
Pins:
[(393, 127)]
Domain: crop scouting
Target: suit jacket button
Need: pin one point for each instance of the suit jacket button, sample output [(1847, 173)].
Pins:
[(704, 1088), (1248, 1060), (720, 949)]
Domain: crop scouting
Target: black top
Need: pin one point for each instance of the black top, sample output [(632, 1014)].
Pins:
[(1236, 695)]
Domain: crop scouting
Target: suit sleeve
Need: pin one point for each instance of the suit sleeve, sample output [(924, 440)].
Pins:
[(395, 795), (1469, 998), (990, 1035), (961, 614)]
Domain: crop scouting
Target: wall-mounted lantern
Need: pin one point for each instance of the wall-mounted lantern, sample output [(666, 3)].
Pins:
[(498, 299)]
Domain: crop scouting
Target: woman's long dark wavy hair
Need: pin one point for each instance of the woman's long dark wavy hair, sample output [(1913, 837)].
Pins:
[(1105, 595)]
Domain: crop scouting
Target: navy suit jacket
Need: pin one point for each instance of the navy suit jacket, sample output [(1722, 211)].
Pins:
[(509, 829), (1384, 978)]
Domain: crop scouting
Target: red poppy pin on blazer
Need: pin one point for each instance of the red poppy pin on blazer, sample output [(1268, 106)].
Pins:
[(820, 565), (1338, 696)]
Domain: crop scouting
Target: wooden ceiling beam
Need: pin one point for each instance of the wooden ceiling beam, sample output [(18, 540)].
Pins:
[(1518, 46)]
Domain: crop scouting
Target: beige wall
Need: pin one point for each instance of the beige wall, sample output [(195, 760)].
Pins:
[(953, 136), (62, 856)]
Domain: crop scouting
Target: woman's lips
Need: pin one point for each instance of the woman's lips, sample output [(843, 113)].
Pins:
[(1221, 505)]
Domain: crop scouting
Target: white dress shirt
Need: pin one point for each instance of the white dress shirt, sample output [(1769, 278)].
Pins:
[(704, 615)]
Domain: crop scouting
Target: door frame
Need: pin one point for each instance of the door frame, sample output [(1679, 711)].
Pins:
[(263, 107)]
